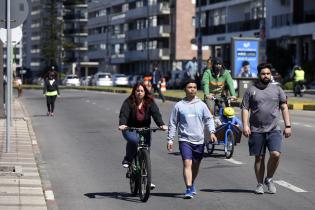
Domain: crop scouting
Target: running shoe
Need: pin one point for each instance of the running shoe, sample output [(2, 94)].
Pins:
[(270, 186), (259, 189)]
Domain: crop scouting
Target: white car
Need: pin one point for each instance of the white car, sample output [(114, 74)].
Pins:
[(120, 80), (104, 79), (71, 80)]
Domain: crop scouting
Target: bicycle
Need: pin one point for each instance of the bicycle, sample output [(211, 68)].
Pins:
[(225, 133), (139, 170)]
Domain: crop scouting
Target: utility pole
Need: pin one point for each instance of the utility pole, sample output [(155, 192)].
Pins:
[(262, 34), (199, 36), (2, 114)]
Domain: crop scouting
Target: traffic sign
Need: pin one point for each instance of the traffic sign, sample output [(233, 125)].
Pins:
[(16, 35), (18, 11)]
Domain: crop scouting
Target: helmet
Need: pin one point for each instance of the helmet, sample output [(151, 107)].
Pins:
[(228, 112), (296, 67)]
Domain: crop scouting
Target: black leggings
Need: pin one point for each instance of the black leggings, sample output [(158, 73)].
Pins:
[(51, 103)]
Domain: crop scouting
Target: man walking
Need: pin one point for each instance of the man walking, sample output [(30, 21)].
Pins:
[(156, 78), (263, 101), (190, 117)]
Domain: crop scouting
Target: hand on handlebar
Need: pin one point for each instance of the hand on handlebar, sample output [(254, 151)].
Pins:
[(233, 98), (210, 96), (122, 127)]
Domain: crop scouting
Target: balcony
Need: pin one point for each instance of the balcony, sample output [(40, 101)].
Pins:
[(117, 18), (248, 25), (160, 8), (117, 58), (152, 32), (154, 54), (117, 38)]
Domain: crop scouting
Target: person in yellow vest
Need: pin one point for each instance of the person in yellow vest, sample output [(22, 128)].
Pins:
[(51, 91), (299, 79)]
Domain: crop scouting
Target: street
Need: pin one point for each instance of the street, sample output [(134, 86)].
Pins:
[(83, 151)]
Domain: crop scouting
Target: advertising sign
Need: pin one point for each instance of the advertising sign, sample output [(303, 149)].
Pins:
[(245, 57)]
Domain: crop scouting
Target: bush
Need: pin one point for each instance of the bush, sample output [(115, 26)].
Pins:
[(288, 85)]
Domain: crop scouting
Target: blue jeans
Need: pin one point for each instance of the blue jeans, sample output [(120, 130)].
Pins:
[(132, 138)]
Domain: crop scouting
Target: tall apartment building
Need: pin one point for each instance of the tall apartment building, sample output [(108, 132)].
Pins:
[(130, 35), (56, 34), (289, 24)]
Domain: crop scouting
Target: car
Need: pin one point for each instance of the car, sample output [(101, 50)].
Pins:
[(120, 80), (104, 79), (71, 80), (310, 85), (85, 81), (134, 79)]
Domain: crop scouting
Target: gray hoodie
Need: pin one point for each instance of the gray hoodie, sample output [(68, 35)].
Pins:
[(191, 118)]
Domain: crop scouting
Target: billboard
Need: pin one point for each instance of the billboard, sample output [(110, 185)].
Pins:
[(245, 57)]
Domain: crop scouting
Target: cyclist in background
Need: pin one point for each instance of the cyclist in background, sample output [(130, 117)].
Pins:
[(299, 77), (214, 81), (136, 111), (189, 118), (51, 91)]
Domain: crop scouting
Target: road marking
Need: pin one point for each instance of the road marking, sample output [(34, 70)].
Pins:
[(234, 161), (295, 123), (289, 186), (87, 101), (93, 103), (49, 195), (309, 126)]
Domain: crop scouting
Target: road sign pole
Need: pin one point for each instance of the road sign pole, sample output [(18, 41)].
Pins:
[(9, 78)]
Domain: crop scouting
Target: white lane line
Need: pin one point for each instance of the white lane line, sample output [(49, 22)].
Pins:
[(234, 161), (309, 126), (295, 123), (93, 103), (49, 195), (289, 186)]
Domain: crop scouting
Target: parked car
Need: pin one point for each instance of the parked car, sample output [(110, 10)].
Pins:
[(85, 81), (104, 79), (134, 79), (71, 80), (120, 80), (310, 85)]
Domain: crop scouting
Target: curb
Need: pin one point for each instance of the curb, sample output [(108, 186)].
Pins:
[(41, 164)]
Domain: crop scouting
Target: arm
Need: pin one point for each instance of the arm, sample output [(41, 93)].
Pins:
[(209, 123), (124, 113), (286, 118), (229, 81), (205, 82), (246, 128), (44, 87), (57, 88), (172, 126), (156, 114)]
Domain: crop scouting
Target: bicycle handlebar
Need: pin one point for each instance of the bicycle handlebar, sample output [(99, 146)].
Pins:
[(144, 129)]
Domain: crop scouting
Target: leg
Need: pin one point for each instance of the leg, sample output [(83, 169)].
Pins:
[(210, 104), (48, 103), (161, 94), (53, 99), (132, 141), (259, 168), (187, 172), (195, 170), (273, 163)]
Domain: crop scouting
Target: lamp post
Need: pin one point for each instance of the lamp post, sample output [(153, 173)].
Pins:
[(199, 36)]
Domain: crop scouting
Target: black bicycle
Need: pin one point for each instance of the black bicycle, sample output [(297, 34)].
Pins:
[(139, 171)]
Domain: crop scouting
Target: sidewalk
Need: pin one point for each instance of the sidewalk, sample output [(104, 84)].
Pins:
[(21, 186)]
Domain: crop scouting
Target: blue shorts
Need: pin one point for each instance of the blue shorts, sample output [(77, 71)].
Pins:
[(191, 151), (258, 142)]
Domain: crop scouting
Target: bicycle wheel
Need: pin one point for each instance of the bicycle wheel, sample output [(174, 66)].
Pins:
[(134, 178), (229, 146), (210, 147), (145, 180)]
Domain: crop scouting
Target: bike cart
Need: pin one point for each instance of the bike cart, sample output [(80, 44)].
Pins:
[(228, 134)]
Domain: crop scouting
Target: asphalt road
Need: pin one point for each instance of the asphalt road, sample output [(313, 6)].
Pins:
[(83, 151)]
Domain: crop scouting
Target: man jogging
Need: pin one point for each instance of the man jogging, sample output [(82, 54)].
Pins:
[(263, 102), (190, 117)]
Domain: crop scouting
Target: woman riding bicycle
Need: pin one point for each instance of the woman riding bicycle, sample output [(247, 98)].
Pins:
[(136, 111)]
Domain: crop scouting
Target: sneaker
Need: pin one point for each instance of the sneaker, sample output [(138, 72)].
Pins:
[(51, 114), (259, 189), (193, 190), (152, 186), (270, 185), (188, 194), (48, 113), (125, 163)]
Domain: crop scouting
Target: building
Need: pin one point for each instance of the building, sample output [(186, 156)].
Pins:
[(56, 35), (284, 26), (130, 36)]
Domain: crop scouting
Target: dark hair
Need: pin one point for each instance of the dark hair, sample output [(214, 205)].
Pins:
[(148, 98), (216, 61), (263, 66), (189, 81), (245, 63)]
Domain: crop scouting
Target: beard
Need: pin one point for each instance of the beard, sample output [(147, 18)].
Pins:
[(265, 81)]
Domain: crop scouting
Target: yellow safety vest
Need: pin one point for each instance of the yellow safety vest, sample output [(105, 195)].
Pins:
[(52, 93), (299, 75)]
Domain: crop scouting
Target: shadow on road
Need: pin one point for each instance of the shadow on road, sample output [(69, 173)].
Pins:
[(168, 195), (117, 195), (228, 190)]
